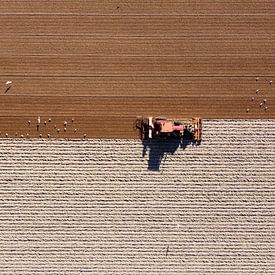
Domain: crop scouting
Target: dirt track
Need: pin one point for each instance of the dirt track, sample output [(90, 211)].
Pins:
[(105, 64), (70, 207)]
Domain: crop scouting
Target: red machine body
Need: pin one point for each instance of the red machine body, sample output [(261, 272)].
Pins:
[(160, 127)]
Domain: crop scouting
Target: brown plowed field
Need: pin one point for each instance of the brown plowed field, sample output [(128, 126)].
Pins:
[(138, 7), (104, 63)]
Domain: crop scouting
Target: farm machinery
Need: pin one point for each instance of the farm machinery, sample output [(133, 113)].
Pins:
[(163, 128)]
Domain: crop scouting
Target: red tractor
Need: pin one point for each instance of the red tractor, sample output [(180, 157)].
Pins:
[(163, 128)]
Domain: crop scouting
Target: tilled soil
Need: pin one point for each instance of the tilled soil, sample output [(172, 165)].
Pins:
[(141, 7), (105, 63), (101, 207)]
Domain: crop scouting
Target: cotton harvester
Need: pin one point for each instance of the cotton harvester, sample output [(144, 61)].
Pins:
[(163, 128)]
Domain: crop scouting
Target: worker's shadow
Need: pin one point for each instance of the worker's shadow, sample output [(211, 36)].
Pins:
[(159, 149)]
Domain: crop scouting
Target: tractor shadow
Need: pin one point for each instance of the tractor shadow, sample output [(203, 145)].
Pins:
[(159, 149)]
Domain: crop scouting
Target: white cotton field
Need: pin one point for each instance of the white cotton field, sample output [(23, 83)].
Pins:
[(123, 207)]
